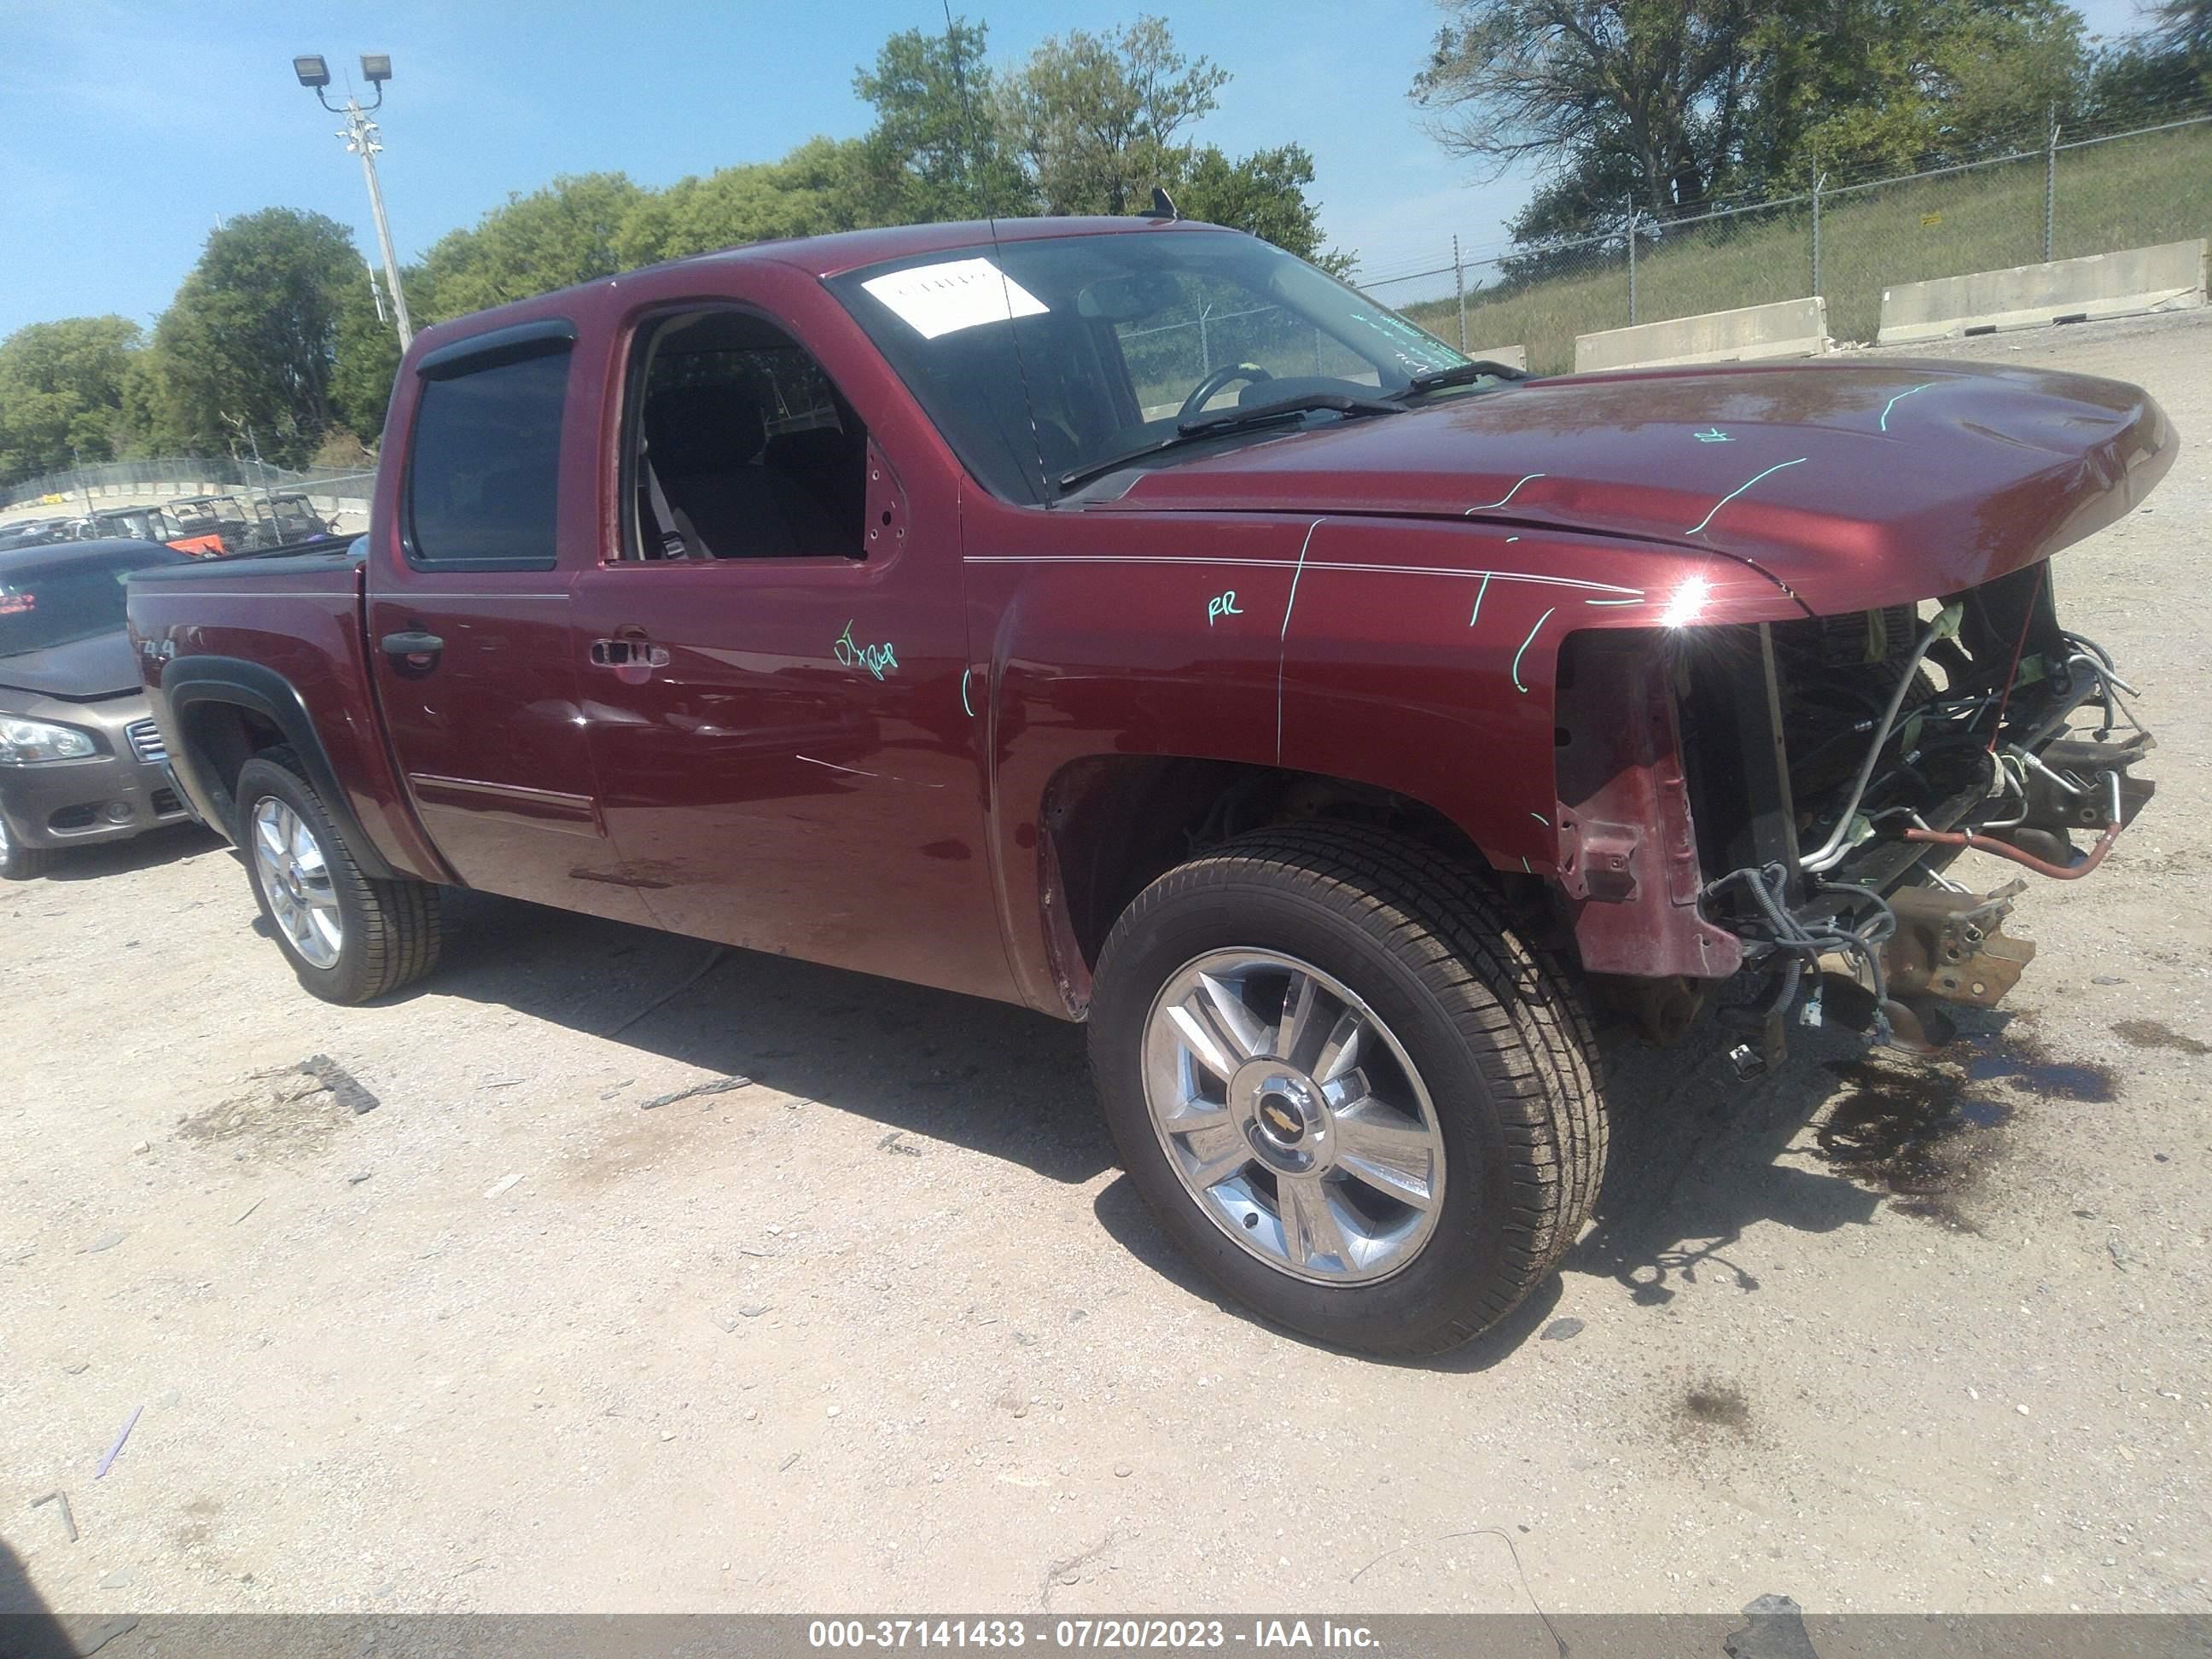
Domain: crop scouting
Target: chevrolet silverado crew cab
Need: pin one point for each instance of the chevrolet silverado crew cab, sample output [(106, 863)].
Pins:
[(1126, 619)]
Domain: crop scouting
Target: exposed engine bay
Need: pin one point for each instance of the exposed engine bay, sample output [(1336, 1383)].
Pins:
[(1837, 767)]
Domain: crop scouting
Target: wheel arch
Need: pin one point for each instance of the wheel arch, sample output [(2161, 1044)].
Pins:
[(1113, 823), (220, 712)]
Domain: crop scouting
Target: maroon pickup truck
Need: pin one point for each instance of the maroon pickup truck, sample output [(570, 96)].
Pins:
[(1125, 619)]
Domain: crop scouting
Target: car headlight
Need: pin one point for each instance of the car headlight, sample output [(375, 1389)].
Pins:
[(23, 742)]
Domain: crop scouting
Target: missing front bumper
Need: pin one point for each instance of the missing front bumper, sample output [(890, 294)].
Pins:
[(1863, 929), (1952, 945)]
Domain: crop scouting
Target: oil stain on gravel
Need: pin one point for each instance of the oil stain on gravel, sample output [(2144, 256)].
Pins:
[(1710, 1406), (1921, 1132), (2015, 1056), (2150, 1034)]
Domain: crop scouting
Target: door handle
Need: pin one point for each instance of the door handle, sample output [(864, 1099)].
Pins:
[(628, 654), (412, 643)]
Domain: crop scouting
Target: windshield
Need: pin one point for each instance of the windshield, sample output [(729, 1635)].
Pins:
[(73, 596), (1117, 339)]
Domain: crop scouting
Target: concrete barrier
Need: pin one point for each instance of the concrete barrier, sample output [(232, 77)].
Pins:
[(2166, 278), (1515, 357), (1788, 328)]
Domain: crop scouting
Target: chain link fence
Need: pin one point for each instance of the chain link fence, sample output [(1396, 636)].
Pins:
[(1846, 239), (84, 488)]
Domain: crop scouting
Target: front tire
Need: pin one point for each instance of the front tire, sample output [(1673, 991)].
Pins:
[(350, 939), (19, 862), (1347, 1087)]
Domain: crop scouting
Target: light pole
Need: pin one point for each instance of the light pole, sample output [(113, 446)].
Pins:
[(363, 137)]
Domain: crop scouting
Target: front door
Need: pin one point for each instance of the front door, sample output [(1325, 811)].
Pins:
[(472, 647), (776, 679)]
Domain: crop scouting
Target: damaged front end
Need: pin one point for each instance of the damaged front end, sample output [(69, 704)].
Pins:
[(1832, 771)]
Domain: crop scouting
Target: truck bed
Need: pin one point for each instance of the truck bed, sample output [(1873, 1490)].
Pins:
[(285, 624)]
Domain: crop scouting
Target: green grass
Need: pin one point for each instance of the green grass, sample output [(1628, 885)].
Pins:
[(2130, 193)]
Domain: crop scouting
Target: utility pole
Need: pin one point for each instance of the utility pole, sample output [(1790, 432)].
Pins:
[(364, 138)]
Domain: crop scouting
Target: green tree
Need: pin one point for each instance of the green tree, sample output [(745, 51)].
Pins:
[(2183, 27), (61, 393), (367, 358), (1264, 193), (1097, 120), (1089, 123), (1878, 86), (1677, 102), (1654, 87), (143, 425), (820, 186), (567, 232), (2153, 76), (936, 151), (250, 342)]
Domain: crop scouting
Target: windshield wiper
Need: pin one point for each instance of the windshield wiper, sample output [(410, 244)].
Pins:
[(1435, 380), (1202, 426)]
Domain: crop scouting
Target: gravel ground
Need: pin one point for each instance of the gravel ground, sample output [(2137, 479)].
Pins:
[(886, 1329)]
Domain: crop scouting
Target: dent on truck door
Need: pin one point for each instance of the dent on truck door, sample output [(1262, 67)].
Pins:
[(778, 712), (475, 652)]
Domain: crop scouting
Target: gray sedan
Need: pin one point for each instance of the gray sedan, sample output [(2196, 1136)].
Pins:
[(81, 760)]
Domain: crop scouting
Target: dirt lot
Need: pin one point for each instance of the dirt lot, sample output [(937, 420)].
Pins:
[(887, 1330)]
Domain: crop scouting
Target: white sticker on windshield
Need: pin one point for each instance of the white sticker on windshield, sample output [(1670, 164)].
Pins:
[(941, 299)]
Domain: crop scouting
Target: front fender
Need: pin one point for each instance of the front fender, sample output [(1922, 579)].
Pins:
[(1417, 656)]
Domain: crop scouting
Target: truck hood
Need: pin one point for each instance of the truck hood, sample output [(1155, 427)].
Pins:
[(83, 670), (1852, 484)]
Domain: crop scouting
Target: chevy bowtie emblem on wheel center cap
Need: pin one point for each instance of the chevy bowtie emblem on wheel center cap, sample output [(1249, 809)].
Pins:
[(1284, 1110)]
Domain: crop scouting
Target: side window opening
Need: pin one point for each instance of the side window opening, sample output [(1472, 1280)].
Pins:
[(740, 447)]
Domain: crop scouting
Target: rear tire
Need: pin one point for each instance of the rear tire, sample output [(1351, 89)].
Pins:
[(1447, 1164), (350, 939)]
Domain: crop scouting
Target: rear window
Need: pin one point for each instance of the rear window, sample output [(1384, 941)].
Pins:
[(485, 473), (74, 596)]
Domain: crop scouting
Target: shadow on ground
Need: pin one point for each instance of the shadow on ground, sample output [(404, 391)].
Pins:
[(1693, 1152), (1692, 1162), (993, 1078), (169, 845), (1123, 1216), (27, 1630)]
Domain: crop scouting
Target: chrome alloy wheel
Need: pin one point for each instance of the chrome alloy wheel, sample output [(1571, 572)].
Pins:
[(1293, 1116), (296, 877)]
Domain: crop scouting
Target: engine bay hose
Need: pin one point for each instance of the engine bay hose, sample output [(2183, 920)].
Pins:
[(2005, 849), (1830, 852)]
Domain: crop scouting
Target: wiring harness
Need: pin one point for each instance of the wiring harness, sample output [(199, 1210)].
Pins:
[(1802, 942)]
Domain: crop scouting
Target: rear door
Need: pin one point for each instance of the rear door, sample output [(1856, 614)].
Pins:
[(472, 647)]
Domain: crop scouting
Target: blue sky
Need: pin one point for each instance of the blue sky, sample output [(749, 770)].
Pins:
[(127, 127)]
